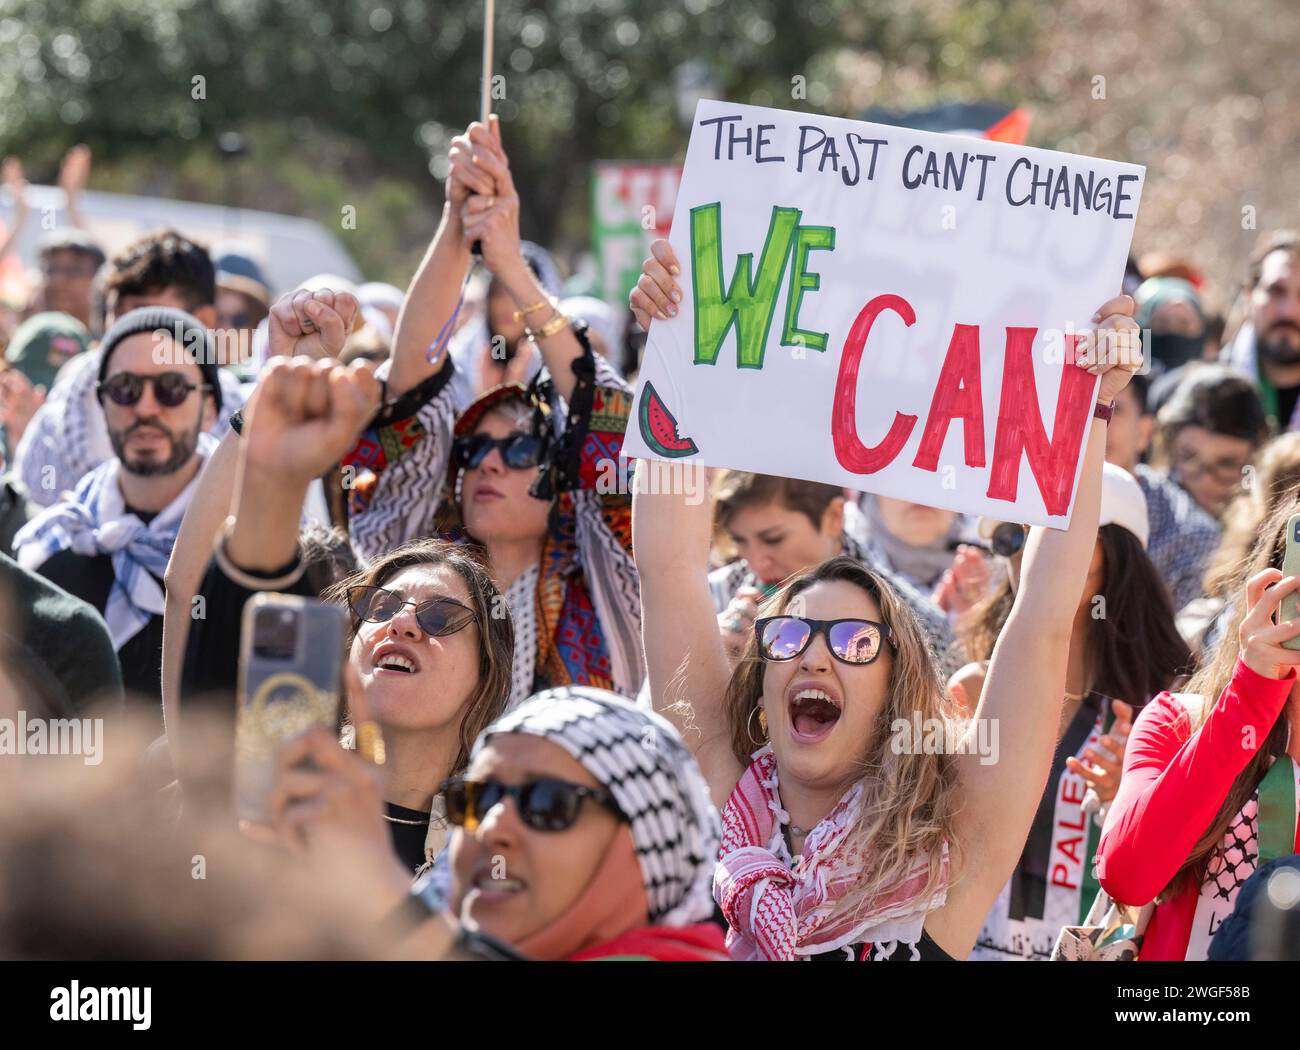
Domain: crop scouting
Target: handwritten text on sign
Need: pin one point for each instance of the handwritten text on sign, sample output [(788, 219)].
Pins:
[(885, 309)]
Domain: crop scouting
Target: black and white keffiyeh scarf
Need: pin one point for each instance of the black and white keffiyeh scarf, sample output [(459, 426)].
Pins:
[(640, 759), (96, 521)]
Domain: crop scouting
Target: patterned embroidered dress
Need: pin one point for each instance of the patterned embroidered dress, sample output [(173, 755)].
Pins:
[(586, 613)]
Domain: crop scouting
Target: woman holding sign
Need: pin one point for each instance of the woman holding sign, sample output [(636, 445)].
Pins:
[(1210, 785), (808, 746)]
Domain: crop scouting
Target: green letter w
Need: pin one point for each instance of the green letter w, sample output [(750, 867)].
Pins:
[(749, 302)]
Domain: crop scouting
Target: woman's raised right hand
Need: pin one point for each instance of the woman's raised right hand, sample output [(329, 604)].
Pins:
[(1261, 639)]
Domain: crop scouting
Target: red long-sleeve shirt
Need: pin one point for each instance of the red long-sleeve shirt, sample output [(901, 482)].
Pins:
[(1173, 785)]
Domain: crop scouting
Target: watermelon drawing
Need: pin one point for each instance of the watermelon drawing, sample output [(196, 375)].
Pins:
[(659, 427)]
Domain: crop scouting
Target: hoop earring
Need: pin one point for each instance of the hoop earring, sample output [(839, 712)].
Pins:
[(762, 724)]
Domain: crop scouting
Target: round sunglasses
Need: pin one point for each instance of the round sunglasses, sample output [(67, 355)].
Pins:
[(544, 804), (850, 641), (436, 617), (126, 388), (518, 451)]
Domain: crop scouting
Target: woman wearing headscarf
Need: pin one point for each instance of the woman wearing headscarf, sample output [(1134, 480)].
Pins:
[(1170, 308), (561, 559), (584, 831), (530, 475)]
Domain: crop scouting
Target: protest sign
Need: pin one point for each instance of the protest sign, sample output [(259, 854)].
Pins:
[(885, 309), (631, 205)]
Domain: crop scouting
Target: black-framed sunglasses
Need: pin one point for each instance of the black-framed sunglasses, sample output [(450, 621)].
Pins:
[(518, 451), (851, 641), (436, 617), (169, 388), (544, 804), (1008, 539)]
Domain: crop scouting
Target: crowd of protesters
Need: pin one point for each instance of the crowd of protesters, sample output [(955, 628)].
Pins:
[(586, 721)]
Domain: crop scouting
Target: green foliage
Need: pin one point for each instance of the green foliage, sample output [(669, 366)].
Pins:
[(354, 101)]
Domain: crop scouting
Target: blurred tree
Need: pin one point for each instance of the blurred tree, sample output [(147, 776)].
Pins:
[(345, 101), (354, 101)]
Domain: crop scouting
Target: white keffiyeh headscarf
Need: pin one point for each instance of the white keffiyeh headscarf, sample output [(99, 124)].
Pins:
[(640, 759), (97, 522)]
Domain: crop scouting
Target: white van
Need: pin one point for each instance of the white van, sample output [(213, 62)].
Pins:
[(288, 248)]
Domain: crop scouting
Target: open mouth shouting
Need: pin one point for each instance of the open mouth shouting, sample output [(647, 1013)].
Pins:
[(391, 658), (813, 713)]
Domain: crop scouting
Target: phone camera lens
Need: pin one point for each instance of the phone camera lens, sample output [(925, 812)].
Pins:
[(275, 633)]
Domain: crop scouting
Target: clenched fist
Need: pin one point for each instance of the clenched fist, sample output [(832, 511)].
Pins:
[(305, 415), (311, 324), (488, 200)]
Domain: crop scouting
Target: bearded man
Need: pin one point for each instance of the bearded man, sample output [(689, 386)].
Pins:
[(158, 389)]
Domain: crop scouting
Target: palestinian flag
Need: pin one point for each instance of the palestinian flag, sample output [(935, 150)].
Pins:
[(986, 120)]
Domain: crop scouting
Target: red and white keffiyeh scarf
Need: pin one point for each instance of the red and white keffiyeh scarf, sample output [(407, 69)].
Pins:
[(783, 909)]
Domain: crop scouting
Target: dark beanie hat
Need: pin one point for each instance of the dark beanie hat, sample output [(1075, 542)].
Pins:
[(186, 330)]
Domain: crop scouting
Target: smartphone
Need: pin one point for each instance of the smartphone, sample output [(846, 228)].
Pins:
[(1291, 567), (290, 678)]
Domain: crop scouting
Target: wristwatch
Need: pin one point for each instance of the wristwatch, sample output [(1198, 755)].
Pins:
[(1103, 410)]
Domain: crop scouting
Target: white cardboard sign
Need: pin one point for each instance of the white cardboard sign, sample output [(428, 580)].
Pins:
[(884, 309)]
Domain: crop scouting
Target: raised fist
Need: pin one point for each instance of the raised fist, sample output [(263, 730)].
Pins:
[(311, 324), (305, 415)]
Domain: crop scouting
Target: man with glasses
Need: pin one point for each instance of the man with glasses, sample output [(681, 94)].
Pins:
[(69, 260), (157, 387), (1209, 429)]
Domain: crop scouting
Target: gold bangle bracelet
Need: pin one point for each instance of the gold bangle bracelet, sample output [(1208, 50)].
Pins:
[(550, 328), (521, 314)]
